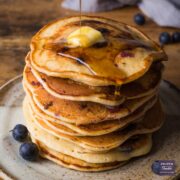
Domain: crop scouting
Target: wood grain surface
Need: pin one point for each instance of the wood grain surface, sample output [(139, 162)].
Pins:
[(19, 20)]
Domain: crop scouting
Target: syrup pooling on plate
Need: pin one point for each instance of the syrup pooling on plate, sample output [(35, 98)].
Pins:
[(101, 58)]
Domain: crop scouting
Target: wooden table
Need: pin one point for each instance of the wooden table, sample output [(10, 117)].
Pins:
[(19, 20)]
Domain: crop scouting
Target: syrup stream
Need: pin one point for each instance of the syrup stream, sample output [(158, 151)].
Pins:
[(80, 9)]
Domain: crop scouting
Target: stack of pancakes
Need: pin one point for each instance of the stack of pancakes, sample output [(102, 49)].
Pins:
[(95, 108)]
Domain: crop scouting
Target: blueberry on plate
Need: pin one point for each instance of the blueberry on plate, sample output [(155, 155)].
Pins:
[(164, 38), (139, 19), (20, 132), (156, 167), (29, 151), (176, 37)]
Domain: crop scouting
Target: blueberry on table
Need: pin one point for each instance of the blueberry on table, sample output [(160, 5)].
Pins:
[(176, 37), (29, 151), (165, 38), (20, 132), (139, 19)]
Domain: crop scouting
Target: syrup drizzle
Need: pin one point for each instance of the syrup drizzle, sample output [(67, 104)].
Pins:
[(80, 10)]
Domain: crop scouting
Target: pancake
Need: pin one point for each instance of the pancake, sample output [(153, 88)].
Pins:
[(111, 140), (61, 127), (140, 147), (107, 95), (131, 148), (77, 112), (90, 129), (121, 153), (74, 163), (145, 85), (71, 90), (127, 55)]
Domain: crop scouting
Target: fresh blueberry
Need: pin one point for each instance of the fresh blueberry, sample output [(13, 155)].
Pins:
[(165, 38), (176, 37), (20, 132), (156, 167), (29, 151), (139, 19)]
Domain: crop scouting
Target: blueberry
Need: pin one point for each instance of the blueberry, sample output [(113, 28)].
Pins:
[(20, 132), (176, 37), (165, 38), (156, 167), (139, 19), (29, 151)]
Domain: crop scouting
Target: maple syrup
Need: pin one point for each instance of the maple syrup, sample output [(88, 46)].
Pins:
[(80, 10)]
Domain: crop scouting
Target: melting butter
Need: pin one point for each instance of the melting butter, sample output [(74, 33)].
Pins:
[(84, 37)]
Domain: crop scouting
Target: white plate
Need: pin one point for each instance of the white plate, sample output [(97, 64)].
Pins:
[(166, 143)]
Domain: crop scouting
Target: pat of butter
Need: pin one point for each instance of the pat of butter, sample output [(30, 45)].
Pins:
[(84, 37)]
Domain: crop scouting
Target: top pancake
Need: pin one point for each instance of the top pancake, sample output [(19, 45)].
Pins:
[(127, 55)]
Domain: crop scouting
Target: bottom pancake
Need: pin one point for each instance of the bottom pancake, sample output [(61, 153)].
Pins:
[(142, 143), (74, 163)]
